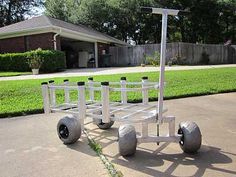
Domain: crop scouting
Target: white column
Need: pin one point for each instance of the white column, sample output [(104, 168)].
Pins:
[(162, 64), (96, 54)]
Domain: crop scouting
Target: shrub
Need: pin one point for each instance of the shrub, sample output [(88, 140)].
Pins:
[(52, 60), (153, 59), (178, 60), (35, 60)]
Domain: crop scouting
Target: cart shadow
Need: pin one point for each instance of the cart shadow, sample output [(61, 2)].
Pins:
[(104, 137), (144, 161), (82, 146), (149, 162)]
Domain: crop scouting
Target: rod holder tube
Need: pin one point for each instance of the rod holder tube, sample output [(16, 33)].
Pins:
[(46, 99), (66, 91), (105, 102), (91, 90), (145, 92), (81, 103), (123, 92), (52, 93)]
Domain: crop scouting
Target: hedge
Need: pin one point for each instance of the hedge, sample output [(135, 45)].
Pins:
[(53, 60)]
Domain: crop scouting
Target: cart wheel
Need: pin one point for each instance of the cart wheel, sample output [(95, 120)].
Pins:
[(100, 124), (127, 140), (191, 139), (104, 126), (69, 129)]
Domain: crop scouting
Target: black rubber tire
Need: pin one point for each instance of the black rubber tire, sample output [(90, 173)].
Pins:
[(191, 139), (127, 140), (105, 126), (69, 129), (100, 124)]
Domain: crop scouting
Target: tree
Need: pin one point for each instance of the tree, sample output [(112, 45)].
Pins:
[(209, 21), (12, 11), (66, 10)]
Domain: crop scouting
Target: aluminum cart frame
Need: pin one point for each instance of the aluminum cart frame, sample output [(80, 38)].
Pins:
[(104, 112)]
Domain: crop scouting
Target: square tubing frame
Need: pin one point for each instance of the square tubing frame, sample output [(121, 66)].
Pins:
[(162, 64)]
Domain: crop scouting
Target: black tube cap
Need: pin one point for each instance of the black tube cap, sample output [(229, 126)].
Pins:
[(66, 80), (105, 83), (80, 83), (144, 78), (90, 78), (51, 81), (44, 83), (123, 78)]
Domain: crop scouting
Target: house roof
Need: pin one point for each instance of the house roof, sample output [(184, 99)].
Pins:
[(43, 24)]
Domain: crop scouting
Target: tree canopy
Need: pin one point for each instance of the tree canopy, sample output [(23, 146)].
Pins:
[(209, 21), (12, 11)]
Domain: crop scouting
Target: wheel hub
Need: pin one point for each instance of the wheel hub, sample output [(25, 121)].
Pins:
[(63, 131), (180, 132)]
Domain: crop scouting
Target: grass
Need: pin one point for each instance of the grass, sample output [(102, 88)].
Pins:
[(96, 147), (7, 74), (24, 96)]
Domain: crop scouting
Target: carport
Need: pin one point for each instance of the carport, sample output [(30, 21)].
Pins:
[(84, 47), (79, 54)]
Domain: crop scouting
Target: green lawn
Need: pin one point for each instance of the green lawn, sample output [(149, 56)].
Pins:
[(24, 96), (7, 74)]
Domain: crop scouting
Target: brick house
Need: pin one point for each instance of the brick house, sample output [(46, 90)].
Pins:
[(83, 46)]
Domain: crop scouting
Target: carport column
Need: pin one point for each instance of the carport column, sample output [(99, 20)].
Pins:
[(96, 54)]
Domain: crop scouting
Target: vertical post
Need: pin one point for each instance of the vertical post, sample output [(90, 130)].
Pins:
[(123, 93), (145, 92), (91, 91), (96, 54), (52, 93), (81, 103), (171, 126), (105, 102), (144, 129), (162, 64), (67, 91), (46, 99)]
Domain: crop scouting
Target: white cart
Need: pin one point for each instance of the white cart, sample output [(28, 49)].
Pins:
[(104, 112)]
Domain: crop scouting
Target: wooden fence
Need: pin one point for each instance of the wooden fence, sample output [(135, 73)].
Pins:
[(190, 54)]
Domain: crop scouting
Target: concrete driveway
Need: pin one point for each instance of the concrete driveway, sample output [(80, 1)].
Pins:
[(109, 71), (29, 145), (216, 117)]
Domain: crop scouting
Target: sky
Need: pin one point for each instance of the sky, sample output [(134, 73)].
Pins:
[(37, 11)]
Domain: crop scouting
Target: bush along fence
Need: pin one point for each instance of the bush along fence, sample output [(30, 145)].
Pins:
[(179, 53), (52, 60)]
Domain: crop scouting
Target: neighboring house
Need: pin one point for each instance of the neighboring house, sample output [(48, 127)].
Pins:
[(83, 46)]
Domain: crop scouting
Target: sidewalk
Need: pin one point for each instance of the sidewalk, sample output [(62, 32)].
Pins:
[(109, 71)]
